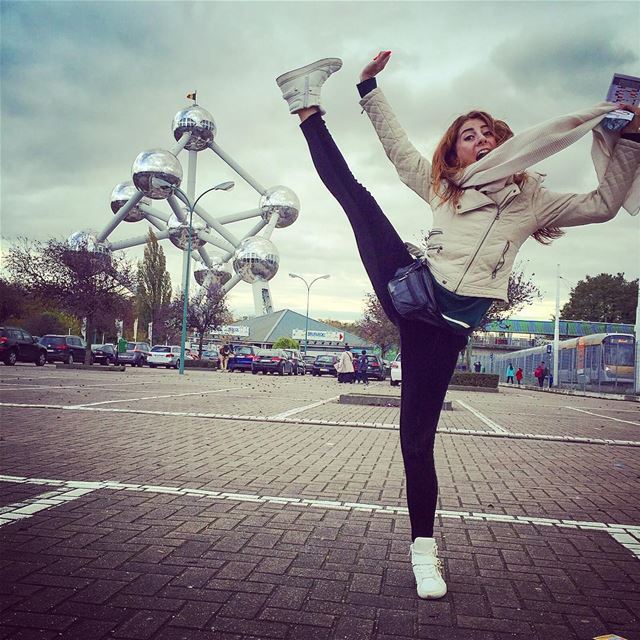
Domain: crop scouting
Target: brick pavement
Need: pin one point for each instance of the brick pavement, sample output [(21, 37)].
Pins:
[(127, 563)]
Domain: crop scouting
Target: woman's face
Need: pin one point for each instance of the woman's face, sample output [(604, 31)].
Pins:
[(475, 139)]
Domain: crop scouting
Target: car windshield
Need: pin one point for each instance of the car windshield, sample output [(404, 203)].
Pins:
[(161, 350), (53, 340), (267, 352), (97, 346), (243, 351), (325, 358)]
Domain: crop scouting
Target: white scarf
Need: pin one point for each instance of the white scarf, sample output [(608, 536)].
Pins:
[(543, 140)]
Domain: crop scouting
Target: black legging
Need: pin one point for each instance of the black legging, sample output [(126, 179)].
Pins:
[(429, 354)]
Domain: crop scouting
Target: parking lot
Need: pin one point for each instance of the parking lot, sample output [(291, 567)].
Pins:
[(144, 504)]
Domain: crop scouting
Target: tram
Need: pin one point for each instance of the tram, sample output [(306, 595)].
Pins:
[(599, 358)]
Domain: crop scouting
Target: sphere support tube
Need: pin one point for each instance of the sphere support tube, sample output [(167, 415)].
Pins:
[(158, 225), (120, 216), (174, 203), (216, 242), (137, 241), (232, 283), (180, 145), (150, 211), (237, 168), (256, 229), (271, 225), (237, 217), (205, 256)]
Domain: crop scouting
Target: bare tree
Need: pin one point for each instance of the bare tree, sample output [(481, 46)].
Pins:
[(376, 326), (207, 311), (84, 283)]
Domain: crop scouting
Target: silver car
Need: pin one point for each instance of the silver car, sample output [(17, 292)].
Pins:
[(164, 356)]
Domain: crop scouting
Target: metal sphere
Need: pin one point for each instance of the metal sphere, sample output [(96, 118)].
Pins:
[(199, 123), (179, 232), (216, 275), (156, 163), (256, 259), (86, 241), (120, 196), (84, 252), (281, 201)]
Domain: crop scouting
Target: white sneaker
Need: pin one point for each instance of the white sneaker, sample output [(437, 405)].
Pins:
[(427, 569), (301, 87)]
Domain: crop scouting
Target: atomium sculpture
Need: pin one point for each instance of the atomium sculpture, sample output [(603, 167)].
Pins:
[(223, 258)]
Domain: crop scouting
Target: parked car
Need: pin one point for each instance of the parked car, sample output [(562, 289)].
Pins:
[(67, 349), (164, 356), (396, 372), (376, 368), (104, 353), (272, 361), (324, 364), (212, 355), (135, 355), (299, 365), (308, 362), (242, 359), (18, 345)]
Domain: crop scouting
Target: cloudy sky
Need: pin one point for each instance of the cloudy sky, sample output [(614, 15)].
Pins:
[(86, 86)]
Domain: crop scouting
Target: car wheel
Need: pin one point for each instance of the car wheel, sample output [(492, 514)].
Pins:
[(254, 372), (70, 359), (177, 365), (394, 383), (153, 366), (11, 358), (41, 360)]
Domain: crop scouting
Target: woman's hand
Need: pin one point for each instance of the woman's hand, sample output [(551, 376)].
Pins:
[(375, 66), (633, 126)]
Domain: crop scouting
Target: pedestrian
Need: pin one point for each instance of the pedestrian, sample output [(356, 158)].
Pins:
[(477, 367), (510, 373), (539, 373), (363, 366), (225, 353), (356, 371), (519, 375), (345, 365), (485, 204)]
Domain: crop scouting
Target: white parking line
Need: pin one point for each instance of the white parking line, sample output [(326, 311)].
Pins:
[(291, 412), (29, 507), (330, 423), (171, 395), (494, 426), (628, 535), (599, 415), (31, 387)]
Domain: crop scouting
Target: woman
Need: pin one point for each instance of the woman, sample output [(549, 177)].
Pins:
[(510, 373), (519, 375), (470, 252)]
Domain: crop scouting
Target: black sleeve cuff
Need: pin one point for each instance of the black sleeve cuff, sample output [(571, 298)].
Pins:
[(366, 86), (634, 137)]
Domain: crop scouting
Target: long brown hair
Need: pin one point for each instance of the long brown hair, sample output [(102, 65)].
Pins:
[(446, 165)]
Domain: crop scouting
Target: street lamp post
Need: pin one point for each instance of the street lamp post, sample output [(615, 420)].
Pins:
[(223, 186), (306, 321)]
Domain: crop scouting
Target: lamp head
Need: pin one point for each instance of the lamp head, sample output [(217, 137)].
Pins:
[(225, 186)]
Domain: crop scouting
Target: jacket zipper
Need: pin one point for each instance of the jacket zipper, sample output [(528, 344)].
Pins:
[(484, 237), (500, 262)]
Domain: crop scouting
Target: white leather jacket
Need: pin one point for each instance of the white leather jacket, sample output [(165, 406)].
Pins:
[(472, 246)]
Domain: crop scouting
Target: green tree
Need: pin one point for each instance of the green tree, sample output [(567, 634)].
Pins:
[(286, 343), (376, 326), (153, 283), (603, 298)]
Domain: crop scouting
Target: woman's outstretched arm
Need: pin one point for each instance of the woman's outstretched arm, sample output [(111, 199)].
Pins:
[(412, 167), (602, 204)]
